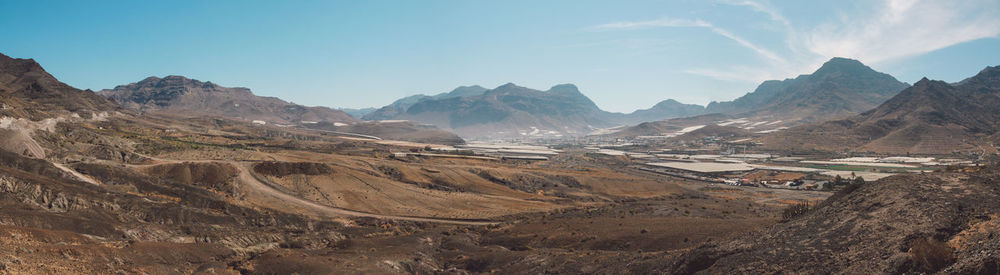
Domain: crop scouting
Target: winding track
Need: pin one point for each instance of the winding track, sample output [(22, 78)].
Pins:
[(76, 174), (246, 176)]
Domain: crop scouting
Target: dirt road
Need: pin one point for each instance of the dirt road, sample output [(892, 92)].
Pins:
[(257, 184), (76, 174)]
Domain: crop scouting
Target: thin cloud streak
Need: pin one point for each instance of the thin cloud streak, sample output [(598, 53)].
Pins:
[(906, 28), (896, 30), (663, 22), (671, 22), (743, 42), (760, 7), (792, 36), (739, 73)]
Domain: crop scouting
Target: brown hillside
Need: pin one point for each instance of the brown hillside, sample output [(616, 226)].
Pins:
[(27, 90), (932, 117), (930, 223), (178, 94)]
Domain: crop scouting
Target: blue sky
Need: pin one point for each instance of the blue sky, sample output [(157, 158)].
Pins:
[(625, 55)]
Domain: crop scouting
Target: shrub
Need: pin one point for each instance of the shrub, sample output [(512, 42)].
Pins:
[(796, 210), (281, 169), (391, 172), (931, 255)]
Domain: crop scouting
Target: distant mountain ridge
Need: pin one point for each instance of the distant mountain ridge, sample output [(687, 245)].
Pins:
[(178, 94), (663, 110), (181, 94), (513, 111), (841, 87), (27, 90), (402, 104), (359, 112), (931, 117)]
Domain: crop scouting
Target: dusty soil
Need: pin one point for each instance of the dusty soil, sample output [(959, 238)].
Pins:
[(935, 223), (169, 195)]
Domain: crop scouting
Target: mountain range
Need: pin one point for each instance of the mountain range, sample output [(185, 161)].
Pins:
[(178, 94), (839, 88), (91, 186), (932, 117), (399, 106), (181, 95), (514, 111), (663, 110), (357, 112), (506, 111)]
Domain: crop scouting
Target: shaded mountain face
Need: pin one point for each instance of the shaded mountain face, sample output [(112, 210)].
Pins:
[(357, 113), (184, 95), (506, 111), (27, 90), (760, 97), (841, 87), (514, 111), (666, 109), (189, 97), (670, 126), (932, 117), (400, 105), (394, 130)]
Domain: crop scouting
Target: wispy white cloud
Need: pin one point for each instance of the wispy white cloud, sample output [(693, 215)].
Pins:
[(791, 35), (892, 30), (672, 22), (743, 42), (735, 73), (905, 28), (662, 22), (767, 9)]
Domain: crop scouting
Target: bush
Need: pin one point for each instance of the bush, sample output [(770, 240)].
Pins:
[(796, 210), (281, 169), (391, 172), (931, 255), (843, 192)]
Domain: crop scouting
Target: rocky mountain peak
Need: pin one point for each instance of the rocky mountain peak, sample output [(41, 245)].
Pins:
[(17, 66), (839, 66), (175, 82), (985, 81), (26, 80), (564, 88), (666, 103), (508, 86)]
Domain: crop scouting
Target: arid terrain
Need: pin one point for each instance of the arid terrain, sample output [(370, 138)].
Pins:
[(134, 194), (122, 191), (844, 170)]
